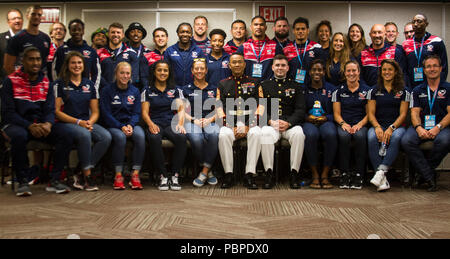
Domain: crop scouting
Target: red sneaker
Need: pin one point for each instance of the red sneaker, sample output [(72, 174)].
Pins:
[(118, 183), (135, 182)]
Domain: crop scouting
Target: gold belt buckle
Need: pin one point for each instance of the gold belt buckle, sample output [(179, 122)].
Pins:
[(239, 112)]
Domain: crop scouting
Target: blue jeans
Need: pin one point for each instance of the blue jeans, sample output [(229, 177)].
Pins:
[(411, 143), (89, 155), (157, 153), (379, 162), (327, 132), (119, 141), (204, 142), (60, 136), (360, 149)]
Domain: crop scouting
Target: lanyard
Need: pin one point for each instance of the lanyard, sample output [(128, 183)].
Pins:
[(114, 56), (431, 102), (139, 52), (420, 52), (260, 52), (298, 54)]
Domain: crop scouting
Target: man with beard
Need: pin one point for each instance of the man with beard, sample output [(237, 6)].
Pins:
[(239, 34), (182, 54), (135, 34), (99, 38), (281, 30), (28, 112), (14, 18), (371, 57), (423, 44), (31, 36), (76, 43), (160, 38), (116, 52), (200, 34), (259, 51)]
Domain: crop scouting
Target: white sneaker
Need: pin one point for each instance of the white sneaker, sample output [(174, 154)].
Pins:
[(384, 185), (174, 185), (164, 185), (378, 178)]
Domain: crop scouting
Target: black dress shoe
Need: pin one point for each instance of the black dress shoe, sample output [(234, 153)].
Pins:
[(250, 181), (431, 186), (227, 181), (268, 180), (294, 180)]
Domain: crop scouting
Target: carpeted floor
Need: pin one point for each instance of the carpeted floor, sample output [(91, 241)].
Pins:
[(210, 212)]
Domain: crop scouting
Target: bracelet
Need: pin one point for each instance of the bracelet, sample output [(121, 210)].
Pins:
[(415, 127), (392, 126), (341, 123), (78, 122)]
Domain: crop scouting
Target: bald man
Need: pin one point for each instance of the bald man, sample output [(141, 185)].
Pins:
[(371, 57), (423, 44)]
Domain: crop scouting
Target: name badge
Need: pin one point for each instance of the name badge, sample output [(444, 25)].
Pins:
[(300, 76), (430, 121), (257, 70), (418, 74)]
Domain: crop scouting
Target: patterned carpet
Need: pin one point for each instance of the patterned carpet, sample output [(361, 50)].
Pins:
[(210, 213)]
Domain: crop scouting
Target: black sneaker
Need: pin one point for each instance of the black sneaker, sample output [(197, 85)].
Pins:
[(345, 180), (357, 182), (294, 180), (174, 183), (58, 187), (163, 184), (250, 182), (227, 181), (90, 184), (268, 179), (23, 190)]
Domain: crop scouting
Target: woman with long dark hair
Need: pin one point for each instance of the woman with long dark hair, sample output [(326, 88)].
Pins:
[(387, 110), (158, 99), (76, 105), (356, 39), (339, 55)]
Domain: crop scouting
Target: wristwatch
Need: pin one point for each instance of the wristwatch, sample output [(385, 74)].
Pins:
[(439, 126), (341, 123), (392, 126)]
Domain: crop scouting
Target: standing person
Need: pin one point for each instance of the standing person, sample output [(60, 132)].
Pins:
[(76, 106), (181, 55), (76, 43), (99, 38), (408, 31), (349, 110), (323, 33), (371, 57), (387, 108), (157, 113), (259, 51), (31, 36), (302, 52), (281, 30), (160, 38), (57, 33), (135, 34), (28, 112), (202, 132), (430, 117), (201, 34), (356, 38), (319, 125), (120, 105), (218, 59), (116, 52), (423, 44), (283, 122), (339, 55), (392, 34), (239, 34), (14, 18), (236, 114)]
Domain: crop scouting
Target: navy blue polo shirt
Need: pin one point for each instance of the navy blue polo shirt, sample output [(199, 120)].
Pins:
[(353, 105), (419, 98), (387, 104), (23, 40), (197, 98), (161, 112), (181, 61), (120, 107), (217, 68), (323, 95), (336, 78), (76, 98)]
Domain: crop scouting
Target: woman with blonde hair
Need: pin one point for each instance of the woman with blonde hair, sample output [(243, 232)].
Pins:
[(339, 56)]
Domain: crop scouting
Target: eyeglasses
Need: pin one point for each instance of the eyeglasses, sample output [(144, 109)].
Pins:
[(199, 59), (408, 32)]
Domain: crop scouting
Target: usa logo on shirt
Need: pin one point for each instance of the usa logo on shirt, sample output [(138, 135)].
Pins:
[(398, 95), (362, 95), (225, 64), (194, 54), (86, 53), (430, 48), (125, 55), (171, 93), (441, 94), (130, 99), (210, 94), (86, 88), (311, 54)]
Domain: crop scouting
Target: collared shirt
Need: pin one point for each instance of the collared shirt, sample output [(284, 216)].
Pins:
[(217, 68), (353, 105), (76, 98), (387, 104), (161, 111), (419, 98), (323, 96), (181, 61), (110, 58), (197, 98)]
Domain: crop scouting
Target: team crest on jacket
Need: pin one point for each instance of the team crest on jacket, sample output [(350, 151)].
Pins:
[(441, 93), (86, 53), (311, 54), (130, 99), (46, 44), (86, 88), (399, 94), (194, 54), (171, 93), (430, 48), (362, 95), (225, 64), (125, 55), (210, 94)]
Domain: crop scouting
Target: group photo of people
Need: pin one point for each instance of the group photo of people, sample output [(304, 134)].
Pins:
[(345, 106)]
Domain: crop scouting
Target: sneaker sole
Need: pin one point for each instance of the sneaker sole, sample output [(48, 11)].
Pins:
[(93, 189), (175, 188), (52, 189), (355, 188), (23, 194), (197, 185), (119, 188), (163, 189), (213, 183)]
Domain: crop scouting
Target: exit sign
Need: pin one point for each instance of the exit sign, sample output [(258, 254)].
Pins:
[(271, 13)]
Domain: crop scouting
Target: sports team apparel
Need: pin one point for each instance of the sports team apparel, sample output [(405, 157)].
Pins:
[(205, 45), (217, 68), (353, 105)]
